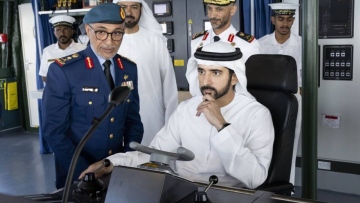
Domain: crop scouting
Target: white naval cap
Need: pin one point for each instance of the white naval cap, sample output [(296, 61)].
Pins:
[(283, 8), (62, 20)]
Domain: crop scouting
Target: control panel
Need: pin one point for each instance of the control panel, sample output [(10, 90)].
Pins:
[(338, 62), (172, 16)]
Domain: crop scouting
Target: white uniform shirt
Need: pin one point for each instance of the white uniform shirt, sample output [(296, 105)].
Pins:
[(239, 155), (52, 52), (247, 48), (292, 47), (156, 79)]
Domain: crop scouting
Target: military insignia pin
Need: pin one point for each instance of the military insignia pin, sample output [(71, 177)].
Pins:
[(122, 13), (126, 77), (118, 60), (75, 55), (89, 63)]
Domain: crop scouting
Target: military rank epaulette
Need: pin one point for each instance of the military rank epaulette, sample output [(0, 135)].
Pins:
[(67, 59), (246, 37), (199, 34)]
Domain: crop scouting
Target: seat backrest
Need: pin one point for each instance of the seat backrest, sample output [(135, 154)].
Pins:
[(272, 80)]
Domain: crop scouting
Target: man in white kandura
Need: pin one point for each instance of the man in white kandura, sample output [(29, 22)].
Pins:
[(145, 44), (230, 133), (220, 13), (63, 31), (283, 41)]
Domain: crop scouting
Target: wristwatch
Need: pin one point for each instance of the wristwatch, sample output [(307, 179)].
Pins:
[(224, 126)]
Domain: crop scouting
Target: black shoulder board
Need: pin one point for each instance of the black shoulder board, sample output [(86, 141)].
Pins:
[(199, 34), (246, 37), (68, 59)]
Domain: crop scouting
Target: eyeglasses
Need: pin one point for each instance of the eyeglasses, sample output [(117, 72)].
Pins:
[(102, 35)]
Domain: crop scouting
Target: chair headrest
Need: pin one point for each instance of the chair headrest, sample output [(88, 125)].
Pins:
[(272, 72)]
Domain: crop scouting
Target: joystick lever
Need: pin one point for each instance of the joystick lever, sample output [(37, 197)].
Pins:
[(90, 185), (201, 196)]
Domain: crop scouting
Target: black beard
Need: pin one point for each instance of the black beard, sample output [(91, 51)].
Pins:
[(219, 94), (130, 25)]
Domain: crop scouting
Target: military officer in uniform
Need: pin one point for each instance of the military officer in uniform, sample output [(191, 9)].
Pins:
[(220, 13), (77, 91), (283, 41), (65, 45)]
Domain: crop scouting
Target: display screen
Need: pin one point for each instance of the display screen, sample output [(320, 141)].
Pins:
[(336, 18), (160, 8), (164, 28)]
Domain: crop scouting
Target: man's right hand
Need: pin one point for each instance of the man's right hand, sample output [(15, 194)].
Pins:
[(93, 167)]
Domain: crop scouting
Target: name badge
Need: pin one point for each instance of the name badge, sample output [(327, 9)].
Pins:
[(90, 89)]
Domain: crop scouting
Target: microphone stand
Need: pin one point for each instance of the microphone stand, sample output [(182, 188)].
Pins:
[(94, 126)]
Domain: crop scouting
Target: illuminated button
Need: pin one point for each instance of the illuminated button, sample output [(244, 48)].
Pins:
[(112, 119), (110, 152), (111, 136), (128, 100), (90, 102)]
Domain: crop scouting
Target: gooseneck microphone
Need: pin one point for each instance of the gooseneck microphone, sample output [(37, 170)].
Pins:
[(117, 96)]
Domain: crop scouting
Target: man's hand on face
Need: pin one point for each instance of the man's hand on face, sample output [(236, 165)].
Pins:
[(93, 167), (211, 111)]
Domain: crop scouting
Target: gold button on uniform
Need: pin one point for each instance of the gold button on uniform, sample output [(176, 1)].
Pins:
[(90, 102), (112, 119), (111, 136), (110, 152), (128, 100)]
